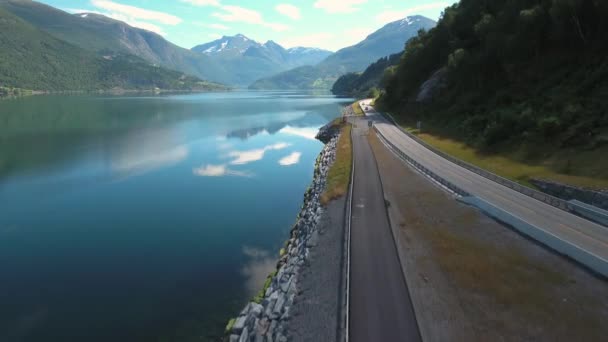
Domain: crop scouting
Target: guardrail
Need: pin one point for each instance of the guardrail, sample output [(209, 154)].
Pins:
[(590, 212), (540, 196), (420, 167)]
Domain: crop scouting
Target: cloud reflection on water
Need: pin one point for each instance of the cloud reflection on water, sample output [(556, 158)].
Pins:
[(140, 159), (248, 156), (304, 132), (257, 268), (291, 159), (220, 170)]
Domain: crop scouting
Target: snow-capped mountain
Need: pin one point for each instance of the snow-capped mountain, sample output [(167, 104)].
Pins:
[(226, 46), (249, 59), (387, 40), (232, 46)]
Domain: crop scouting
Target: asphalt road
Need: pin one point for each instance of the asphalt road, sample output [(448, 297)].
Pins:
[(380, 306), (577, 231)]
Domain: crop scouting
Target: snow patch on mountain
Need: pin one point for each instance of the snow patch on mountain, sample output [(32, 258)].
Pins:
[(409, 20)]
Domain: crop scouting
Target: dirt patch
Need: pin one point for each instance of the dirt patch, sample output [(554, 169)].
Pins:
[(474, 279)]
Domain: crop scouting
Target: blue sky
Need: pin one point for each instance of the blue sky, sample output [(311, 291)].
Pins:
[(328, 24)]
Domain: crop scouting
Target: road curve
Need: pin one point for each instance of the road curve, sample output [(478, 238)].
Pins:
[(380, 306), (585, 235)]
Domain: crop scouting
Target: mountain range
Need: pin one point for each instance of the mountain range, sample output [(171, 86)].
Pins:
[(105, 37), (33, 59), (250, 60), (387, 40), (113, 46)]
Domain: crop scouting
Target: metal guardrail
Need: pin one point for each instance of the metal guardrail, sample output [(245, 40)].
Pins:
[(420, 167), (540, 196), (590, 212)]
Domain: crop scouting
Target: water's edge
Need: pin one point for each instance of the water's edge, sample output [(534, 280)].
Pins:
[(266, 314)]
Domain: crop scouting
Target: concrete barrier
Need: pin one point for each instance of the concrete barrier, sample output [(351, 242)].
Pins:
[(590, 212), (588, 259), (420, 167)]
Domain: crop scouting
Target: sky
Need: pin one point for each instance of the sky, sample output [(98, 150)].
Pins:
[(327, 24)]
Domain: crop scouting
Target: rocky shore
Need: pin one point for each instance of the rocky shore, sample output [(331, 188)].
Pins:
[(266, 317)]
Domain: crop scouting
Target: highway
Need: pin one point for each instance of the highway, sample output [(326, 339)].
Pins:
[(583, 234), (380, 305)]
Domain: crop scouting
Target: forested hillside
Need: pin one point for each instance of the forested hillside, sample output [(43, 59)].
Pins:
[(368, 83), (33, 59), (519, 73), (105, 36)]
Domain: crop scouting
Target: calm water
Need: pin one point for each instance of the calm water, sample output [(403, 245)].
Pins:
[(146, 218)]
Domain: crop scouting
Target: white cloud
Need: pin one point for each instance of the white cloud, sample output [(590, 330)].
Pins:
[(328, 41), (202, 2), (245, 157), (339, 6), (276, 27), (319, 40), (137, 23), (291, 159), (244, 15), (137, 12), (239, 14), (211, 26), (138, 159), (288, 10), (355, 35), (393, 15), (221, 170)]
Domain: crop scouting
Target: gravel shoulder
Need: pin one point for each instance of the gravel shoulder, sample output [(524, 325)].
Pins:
[(474, 279), (315, 311)]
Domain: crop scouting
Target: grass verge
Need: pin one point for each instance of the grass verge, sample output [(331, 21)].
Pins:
[(357, 109), (338, 176)]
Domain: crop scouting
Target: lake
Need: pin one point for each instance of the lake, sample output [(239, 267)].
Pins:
[(147, 218)]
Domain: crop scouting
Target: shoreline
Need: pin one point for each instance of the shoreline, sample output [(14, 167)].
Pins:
[(27, 92), (269, 313)]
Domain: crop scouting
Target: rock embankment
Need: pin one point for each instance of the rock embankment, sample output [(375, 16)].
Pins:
[(597, 198), (266, 320), (328, 132), (431, 87)]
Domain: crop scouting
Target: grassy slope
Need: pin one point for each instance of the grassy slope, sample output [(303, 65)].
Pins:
[(338, 176), (103, 35), (357, 109), (585, 168), (33, 59)]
